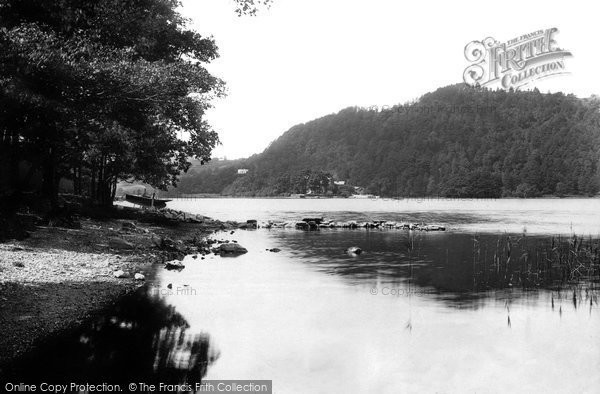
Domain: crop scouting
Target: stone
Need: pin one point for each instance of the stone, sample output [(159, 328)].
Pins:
[(139, 276), (232, 248), (119, 243), (128, 226), (432, 227), (174, 265), (302, 226), (120, 274), (354, 250)]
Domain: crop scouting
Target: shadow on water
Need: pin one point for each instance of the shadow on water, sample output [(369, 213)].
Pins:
[(140, 339), (460, 268)]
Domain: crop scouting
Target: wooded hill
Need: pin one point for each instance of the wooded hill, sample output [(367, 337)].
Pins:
[(456, 141)]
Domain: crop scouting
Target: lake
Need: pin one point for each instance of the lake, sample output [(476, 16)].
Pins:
[(479, 308), (544, 216)]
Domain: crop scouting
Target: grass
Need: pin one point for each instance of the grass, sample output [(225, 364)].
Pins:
[(533, 262)]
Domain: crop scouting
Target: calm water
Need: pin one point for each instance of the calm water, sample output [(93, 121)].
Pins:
[(544, 216), (416, 312)]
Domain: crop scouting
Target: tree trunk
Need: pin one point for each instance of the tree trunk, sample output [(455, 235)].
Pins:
[(93, 182), (50, 180)]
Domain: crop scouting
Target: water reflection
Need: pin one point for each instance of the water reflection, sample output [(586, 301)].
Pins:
[(308, 319), (455, 267), (140, 339)]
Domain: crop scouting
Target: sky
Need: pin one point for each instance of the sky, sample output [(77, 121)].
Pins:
[(304, 59)]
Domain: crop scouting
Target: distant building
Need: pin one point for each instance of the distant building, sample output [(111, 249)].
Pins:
[(339, 183), (242, 171)]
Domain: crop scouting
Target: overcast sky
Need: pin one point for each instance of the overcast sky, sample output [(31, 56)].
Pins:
[(302, 59)]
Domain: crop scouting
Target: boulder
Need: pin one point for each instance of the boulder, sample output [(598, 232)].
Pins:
[(302, 226), (174, 265), (128, 226), (120, 274), (195, 219), (119, 243), (354, 250), (316, 220), (433, 227), (232, 248), (164, 243)]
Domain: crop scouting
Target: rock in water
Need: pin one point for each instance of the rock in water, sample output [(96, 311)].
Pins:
[(174, 265), (120, 274), (232, 248), (354, 250), (302, 226), (139, 276), (432, 227)]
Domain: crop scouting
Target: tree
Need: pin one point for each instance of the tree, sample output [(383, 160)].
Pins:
[(251, 7), (102, 90)]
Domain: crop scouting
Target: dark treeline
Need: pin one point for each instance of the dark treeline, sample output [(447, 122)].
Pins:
[(456, 141), (97, 91), (209, 178)]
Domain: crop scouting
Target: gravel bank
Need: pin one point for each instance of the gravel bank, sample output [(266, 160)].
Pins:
[(59, 277)]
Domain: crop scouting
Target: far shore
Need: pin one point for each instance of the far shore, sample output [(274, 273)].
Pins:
[(367, 197)]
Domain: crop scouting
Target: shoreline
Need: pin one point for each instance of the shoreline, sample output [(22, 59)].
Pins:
[(59, 277), (367, 197)]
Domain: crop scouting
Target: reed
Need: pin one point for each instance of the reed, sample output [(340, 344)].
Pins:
[(533, 262)]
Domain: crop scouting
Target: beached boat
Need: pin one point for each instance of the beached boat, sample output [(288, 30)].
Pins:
[(146, 201)]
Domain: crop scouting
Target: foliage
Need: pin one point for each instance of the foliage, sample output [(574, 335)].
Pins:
[(456, 141), (251, 7), (97, 91), (314, 182)]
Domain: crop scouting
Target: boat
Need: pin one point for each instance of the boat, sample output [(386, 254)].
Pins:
[(146, 201)]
